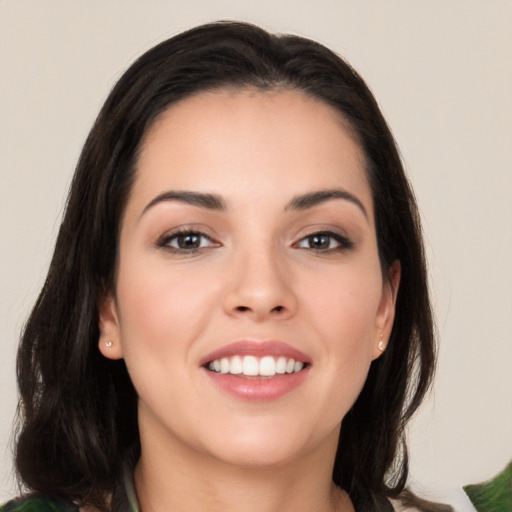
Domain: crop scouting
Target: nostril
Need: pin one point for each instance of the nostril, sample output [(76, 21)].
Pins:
[(276, 309)]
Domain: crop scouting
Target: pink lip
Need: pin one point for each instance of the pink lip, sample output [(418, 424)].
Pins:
[(257, 349), (257, 388)]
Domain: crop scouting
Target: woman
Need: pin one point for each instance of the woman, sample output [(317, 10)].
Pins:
[(236, 314)]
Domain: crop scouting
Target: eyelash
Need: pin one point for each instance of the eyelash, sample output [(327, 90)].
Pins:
[(165, 242), (342, 242)]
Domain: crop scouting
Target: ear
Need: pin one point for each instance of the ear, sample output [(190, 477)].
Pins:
[(386, 311), (110, 333)]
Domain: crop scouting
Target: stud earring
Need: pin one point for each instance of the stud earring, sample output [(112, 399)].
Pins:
[(108, 344), (381, 344)]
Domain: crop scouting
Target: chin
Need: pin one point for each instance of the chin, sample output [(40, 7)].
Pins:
[(269, 445), (259, 454)]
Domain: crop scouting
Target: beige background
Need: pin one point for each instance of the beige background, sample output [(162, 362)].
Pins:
[(442, 72)]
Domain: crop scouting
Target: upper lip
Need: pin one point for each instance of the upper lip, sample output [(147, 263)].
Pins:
[(257, 349)]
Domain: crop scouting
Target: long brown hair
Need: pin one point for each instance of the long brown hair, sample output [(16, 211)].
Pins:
[(78, 410)]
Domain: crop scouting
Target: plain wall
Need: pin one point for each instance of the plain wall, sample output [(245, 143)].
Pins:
[(442, 73)]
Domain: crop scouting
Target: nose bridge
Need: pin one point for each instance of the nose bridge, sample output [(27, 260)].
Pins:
[(259, 283)]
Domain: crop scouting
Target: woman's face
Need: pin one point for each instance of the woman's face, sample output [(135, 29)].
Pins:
[(250, 299)]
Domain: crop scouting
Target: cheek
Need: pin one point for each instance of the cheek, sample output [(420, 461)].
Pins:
[(342, 310), (344, 304), (159, 322), (159, 307)]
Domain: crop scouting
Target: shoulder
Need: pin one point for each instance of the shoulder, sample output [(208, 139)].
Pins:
[(36, 504)]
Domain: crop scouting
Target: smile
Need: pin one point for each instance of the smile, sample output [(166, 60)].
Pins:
[(252, 366), (257, 370)]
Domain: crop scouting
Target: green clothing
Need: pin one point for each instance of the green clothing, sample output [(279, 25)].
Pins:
[(37, 503)]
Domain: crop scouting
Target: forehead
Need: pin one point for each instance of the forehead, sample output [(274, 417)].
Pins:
[(250, 142)]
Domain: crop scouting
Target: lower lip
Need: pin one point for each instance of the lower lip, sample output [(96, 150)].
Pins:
[(261, 389)]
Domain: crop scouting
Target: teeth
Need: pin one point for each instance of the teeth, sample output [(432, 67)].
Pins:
[(250, 366), (281, 365), (266, 366), (235, 366), (224, 365)]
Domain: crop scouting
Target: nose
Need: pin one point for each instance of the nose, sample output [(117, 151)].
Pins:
[(259, 287)]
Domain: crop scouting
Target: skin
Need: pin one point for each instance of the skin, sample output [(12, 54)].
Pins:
[(257, 274)]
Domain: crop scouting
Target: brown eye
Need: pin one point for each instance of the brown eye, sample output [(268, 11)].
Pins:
[(320, 241), (325, 242), (187, 241)]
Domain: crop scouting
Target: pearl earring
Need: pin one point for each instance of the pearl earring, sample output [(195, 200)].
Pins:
[(381, 344), (108, 344)]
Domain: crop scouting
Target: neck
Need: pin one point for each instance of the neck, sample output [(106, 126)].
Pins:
[(182, 480)]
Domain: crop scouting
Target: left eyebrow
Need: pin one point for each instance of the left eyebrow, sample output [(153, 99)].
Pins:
[(312, 199)]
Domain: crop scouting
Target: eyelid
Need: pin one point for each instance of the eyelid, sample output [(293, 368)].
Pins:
[(344, 242), (164, 241)]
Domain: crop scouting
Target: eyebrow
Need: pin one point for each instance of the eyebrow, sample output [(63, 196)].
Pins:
[(311, 199), (216, 202), (208, 201)]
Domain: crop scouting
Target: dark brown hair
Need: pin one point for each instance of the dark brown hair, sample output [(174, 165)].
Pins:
[(78, 410)]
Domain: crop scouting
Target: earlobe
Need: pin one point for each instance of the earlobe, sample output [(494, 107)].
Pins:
[(386, 312), (109, 342)]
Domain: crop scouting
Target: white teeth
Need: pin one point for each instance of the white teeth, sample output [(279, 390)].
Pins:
[(250, 366), (267, 366), (224, 365), (281, 365), (235, 367)]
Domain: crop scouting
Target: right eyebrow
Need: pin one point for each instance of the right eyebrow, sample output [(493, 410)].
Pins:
[(208, 201)]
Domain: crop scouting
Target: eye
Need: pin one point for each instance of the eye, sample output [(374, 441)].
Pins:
[(187, 241), (325, 241)]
